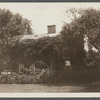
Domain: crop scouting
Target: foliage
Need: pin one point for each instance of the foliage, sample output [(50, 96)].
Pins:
[(26, 79), (50, 50), (14, 78), (40, 64), (87, 23), (55, 50), (8, 79), (12, 27)]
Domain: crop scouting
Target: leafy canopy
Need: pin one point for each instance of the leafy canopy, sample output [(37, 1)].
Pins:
[(12, 27)]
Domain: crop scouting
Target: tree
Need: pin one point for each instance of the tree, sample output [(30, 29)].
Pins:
[(86, 24), (12, 27)]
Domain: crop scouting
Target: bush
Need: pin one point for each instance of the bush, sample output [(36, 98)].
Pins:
[(8, 79), (26, 79), (14, 78), (43, 76)]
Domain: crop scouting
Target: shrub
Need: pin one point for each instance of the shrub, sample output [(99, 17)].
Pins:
[(26, 79), (39, 77), (8, 79)]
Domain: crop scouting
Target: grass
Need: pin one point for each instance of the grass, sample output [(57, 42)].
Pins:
[(36, 88), (40, 88)]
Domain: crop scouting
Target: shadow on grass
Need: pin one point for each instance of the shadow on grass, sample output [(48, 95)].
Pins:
[(93, 87), (85, 87)]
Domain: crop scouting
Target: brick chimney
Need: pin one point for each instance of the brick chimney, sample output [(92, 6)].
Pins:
[(51, 29)]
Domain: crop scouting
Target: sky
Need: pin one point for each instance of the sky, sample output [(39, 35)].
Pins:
[(43, 14)]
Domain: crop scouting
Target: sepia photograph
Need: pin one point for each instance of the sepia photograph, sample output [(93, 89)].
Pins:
[(49, 47)]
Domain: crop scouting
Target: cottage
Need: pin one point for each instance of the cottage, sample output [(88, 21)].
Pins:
[(27, 63)]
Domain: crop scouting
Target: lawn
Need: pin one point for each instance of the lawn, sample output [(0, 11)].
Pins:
[(34, 88), (39, 88)]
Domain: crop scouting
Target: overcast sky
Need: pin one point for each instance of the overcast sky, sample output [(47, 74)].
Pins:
[(43, 14)]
